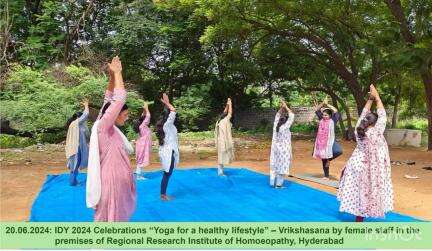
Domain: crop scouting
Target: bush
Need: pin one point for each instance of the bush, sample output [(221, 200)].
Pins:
[(51, 138), (34, 100), (193, 107), (418, 124), (304, 128), (12, 141)]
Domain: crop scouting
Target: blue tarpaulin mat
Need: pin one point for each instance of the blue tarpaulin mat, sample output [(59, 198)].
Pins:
[(201, 195)]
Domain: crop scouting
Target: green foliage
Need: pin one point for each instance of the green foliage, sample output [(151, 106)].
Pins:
[(50, 138), (202, 135), (305, 128), (193, 106), (78, 73), (44, 41), (416, 123), (34, 100), (130, 132), (11, 141), (202, 52)]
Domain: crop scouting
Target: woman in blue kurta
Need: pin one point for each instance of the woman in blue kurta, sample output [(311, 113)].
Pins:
[(77, 143)]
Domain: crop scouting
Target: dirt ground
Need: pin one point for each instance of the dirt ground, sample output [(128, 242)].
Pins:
[(23, 171)]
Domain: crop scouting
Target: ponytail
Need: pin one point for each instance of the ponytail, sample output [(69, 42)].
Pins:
[(160, 133), (138, 122), (282, 120)]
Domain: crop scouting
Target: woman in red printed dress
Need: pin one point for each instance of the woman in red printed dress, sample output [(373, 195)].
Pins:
[(365, 188)]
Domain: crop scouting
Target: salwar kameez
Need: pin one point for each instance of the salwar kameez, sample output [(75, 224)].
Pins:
[(224, 142), (169, 152), (118, 194), (143, 145), (281, 151), (326, 147), (80, 159)]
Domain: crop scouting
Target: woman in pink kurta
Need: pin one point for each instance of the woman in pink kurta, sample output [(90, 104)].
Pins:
[(365, 188), (144, 142), (118, 194)]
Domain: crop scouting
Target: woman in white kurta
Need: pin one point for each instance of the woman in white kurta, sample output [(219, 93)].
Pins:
[(281, 151), (223, 138), (365, 188), (168, 144)]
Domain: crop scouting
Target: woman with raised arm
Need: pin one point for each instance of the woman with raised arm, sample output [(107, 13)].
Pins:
[(110, 185), (144, 142), (77, 139), (281, 150), (223, 138), (365, 188), (326, 148), (169, 154)]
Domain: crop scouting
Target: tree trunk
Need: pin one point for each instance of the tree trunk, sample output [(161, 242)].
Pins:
[(359, 98), (396, 105), (270, 93), (350, 133), (341, 123), (427, 81)]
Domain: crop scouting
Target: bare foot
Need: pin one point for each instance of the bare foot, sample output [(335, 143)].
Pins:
[(165, 197), (325, 178)]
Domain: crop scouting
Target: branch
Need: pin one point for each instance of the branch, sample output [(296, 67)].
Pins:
[(82, 19), (397, 11)]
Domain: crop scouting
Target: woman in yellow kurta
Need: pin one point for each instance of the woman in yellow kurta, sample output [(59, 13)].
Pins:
[(223, 138)]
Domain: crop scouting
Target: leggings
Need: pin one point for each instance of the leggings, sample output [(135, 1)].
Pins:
[(167, 175), (326, 167), (73, 173), (73, 177)]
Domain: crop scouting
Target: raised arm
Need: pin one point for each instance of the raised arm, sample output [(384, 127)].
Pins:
[(332, 108), (277, 117), (290, 114), (108, 91), (229, 104), (382, 116), (111, 83), (171, 117), (119, 97), (375, 94), (336, 115), (84, 117), (146, 111), (165, 100), (318, 107), (366, 108)]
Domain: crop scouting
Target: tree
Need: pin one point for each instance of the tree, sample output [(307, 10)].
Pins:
[(339, 35), (417, 34)]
